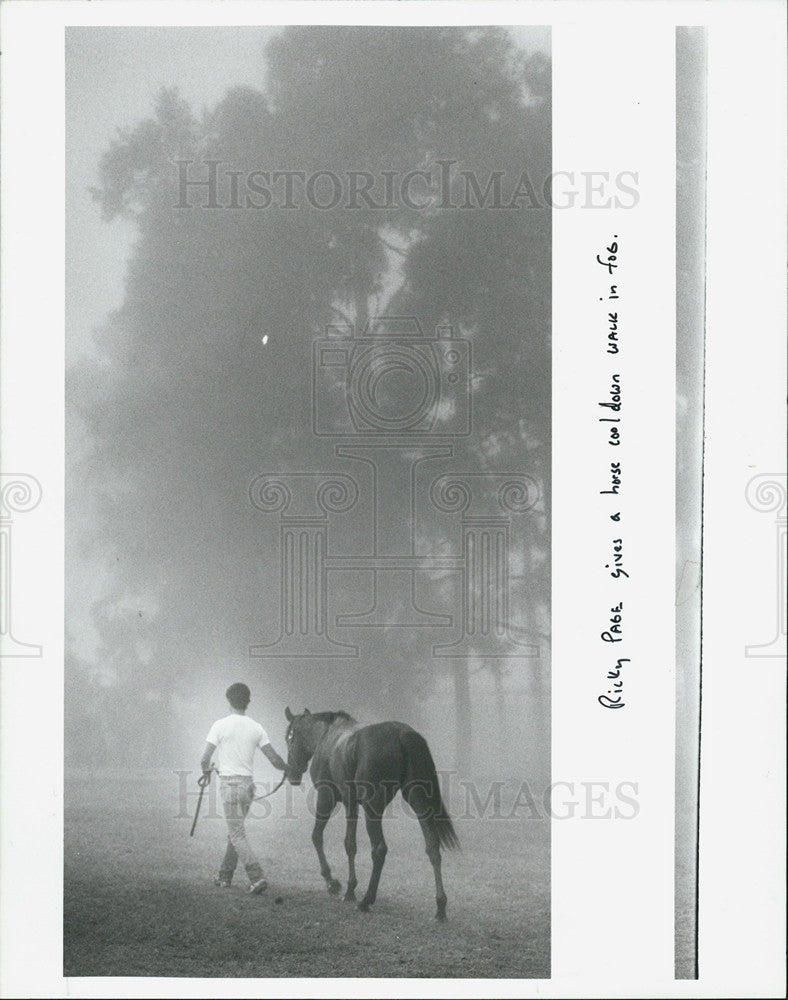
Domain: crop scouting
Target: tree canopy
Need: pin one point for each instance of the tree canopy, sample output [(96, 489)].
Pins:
[(182, 403)]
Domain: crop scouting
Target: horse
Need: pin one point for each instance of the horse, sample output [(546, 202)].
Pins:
[(367, 766)]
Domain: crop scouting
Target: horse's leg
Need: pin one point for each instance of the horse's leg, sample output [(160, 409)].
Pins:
[(379, 850), (434, 854), (326, 800), (417, 801), (350, 846)]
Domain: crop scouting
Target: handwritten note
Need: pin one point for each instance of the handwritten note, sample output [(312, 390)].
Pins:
[(611, 416)]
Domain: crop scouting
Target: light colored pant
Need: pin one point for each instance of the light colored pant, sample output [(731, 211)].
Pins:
[(237, 794)]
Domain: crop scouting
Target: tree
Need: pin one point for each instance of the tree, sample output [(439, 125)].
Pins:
[(183, 406)]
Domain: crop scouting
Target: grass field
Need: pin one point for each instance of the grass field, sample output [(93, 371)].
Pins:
[(139, 898)]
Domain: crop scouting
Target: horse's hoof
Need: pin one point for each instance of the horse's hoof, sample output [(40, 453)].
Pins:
[(364, 906), (334, 887), (349, 897), (441, 915)]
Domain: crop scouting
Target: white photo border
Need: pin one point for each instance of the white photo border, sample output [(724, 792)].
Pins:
[(742, 923)]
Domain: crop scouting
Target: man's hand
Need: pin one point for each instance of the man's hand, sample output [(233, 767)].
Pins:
[(205, 763), (274, 757)]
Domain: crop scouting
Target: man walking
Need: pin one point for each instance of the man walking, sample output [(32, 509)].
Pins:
[(234, 739)]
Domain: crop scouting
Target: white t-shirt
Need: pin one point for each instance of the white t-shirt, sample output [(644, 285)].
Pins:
[(236, 737)]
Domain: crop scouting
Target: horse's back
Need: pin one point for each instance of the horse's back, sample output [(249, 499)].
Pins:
[(384, 735), (382, 751), (383, 732)]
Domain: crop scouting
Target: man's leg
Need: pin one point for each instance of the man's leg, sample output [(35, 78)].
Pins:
[(229, 863), (230, 859), (236, 806)]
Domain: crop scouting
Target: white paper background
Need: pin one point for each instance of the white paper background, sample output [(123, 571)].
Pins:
[(612, 882), (613, 913)]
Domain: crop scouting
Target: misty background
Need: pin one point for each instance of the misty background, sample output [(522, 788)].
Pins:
[(175, 405)]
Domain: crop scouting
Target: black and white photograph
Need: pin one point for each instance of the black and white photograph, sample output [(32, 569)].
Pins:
[(392, 512), (308, 455)]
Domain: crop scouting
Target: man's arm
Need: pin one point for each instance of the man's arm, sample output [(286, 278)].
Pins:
[(274, 757), (205, 763)]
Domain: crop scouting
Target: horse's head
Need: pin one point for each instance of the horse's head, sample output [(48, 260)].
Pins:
[(302, 737)]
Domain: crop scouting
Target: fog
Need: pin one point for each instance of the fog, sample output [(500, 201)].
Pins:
[(262, 474)]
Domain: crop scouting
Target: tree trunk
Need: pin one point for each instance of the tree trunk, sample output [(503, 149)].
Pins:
[(500, 712), (462, 710), (361, 295), (400, 692)]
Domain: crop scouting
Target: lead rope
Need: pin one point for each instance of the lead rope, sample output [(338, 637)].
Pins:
[(203, 782), (257, 798)]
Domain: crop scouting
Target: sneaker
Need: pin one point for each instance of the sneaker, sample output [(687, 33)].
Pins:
[(257, 887), (222, 883)]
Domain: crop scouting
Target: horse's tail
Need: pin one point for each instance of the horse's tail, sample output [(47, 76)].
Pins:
[(420, 786)]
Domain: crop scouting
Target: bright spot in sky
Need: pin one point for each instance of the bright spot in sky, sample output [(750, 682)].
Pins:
[(265, 339)]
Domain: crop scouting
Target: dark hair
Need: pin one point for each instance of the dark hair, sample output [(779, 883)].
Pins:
[(238, 695)]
